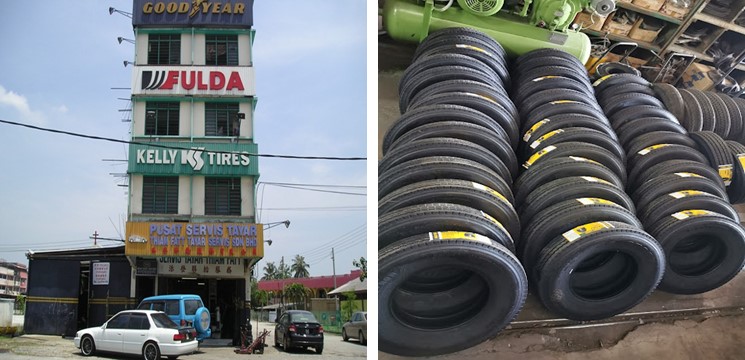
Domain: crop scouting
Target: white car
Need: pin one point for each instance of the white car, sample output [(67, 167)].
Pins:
[(147, 332)]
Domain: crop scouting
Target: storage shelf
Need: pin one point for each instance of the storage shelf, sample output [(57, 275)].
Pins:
[(720, 23), (700, 56), (617, 38), (654, 14)]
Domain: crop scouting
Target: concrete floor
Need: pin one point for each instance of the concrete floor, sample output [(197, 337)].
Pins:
[(665, 326)]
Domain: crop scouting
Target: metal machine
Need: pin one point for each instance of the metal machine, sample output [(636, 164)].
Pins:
[(518, 25)]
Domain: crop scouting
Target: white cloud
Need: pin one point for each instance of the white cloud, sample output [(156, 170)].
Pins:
[(20, 104), (61, 109)]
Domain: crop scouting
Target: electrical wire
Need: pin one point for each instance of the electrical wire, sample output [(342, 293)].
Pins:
[(315, 185), (337, 241), (93, 137), (323, 191), (321, 208)]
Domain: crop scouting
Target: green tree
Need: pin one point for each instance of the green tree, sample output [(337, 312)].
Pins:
[(298, 294), (348, 306), (270, 271), (259, 298), (283, 270), (362, 265), (300, 267)]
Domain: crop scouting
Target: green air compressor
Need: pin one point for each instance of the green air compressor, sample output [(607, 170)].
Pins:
[(519, 27)]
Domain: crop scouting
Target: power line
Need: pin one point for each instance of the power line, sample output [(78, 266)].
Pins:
[(316, 185), (328, 245), (327, 208), (93, 137), (323, 191)]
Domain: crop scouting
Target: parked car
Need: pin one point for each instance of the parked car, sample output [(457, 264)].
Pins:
[(146, 332), (184, 310), (356, 327), (298, 328)]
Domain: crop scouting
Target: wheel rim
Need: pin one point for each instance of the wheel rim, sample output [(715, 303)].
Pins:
[(150, 352), (87, 346)]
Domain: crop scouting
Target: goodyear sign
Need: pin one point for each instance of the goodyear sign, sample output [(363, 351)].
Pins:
[(164, 13), (224, 240), (233, 159)]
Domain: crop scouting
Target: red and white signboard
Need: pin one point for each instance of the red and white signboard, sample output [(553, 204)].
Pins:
[(194, 80), (101, 272)]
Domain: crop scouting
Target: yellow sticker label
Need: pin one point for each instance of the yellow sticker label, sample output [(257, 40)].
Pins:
[(545, 77), (563, 102), (490, 190), (684, 193), (725, 172), (496, 222), (596, 201), (466, 46), (687, 174), (533, 128), (647, 150), (579, 158), (685, 214), (544, 137), (485, 98), (459, 235), (598, 81), (594, 179), (533, 158), (586, 229), (741, 159)]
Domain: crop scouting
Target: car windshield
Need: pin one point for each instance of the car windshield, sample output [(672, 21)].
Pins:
[(302, 317), (162, 320)]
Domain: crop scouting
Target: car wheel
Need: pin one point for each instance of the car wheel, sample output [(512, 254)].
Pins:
[(363, 341), (344, 335), (172, 357), (150, 351), (276, 339), (286, 344), (87, 346), (319, 350)]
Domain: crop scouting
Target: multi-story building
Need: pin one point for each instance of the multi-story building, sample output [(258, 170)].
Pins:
[(13, 279)]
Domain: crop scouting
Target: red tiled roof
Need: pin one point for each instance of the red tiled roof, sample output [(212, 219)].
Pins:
[(315, 282)]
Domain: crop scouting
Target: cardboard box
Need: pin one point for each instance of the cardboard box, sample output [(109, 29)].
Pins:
[(671, 10), (588, 21), (697, 77), (638, 33), (626, 1), (617, 28), (653, 5)]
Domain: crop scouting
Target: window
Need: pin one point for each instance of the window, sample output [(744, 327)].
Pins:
[(222, 196), (172, 307), (220, 119), (139, 322), (164, 49), (161, 118), (222, 50), (163, 321), (191, 306), (120, 321), (160, 195)]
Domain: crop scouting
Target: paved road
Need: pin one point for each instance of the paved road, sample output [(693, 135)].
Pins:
[(54, 347)]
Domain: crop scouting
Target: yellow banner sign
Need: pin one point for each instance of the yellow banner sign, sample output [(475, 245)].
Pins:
[(226, 240)]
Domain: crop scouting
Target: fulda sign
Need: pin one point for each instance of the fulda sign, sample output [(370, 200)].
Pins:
[(217, 13), (204, 80)]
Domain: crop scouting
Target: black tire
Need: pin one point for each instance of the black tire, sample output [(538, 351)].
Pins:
[(87, 345), (491, 92), (575, 134), (556, 122), (495, 62), (276, 340), (556, 108), (696, 229), (444, 147), (666, 184), (344, 335), (434, 75), (319, 350), (677, 166), (672, 203), (554, 70), (623, 116), (561, 217), (461, 192), (527, 89), (440, 305), (740, 105), (581, 149), (552, 60), (433, 113), (638, 127), (361, 337), (608, 82), (419, 219), (672, 99), (658, 137), (546, 96), (707, 110), (460, 35), (717, 152), (489, 107), (504, 277), (694, 114), (723, 124), (609, 68), (442, 60), (546, 54), (557, 168), (630, 88), (474, 133), (736, 190), (561, 257), (572, 187), (619, 102), (735, 117), (441, 167), (640, 163), (150, 351)]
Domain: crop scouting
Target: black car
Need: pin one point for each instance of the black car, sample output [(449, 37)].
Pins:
[(298, 328)]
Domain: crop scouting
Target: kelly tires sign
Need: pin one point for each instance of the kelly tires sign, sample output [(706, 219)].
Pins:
[(202, 80), (194, 158)]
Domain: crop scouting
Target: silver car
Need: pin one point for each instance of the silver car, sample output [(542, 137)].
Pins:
[(146, 332), (356, 328)]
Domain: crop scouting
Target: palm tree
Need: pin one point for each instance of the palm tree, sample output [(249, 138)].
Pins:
[(297, 293), (283, 271), (300, 267), (270, 271)]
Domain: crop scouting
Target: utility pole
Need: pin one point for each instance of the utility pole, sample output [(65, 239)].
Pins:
[(333, 265)]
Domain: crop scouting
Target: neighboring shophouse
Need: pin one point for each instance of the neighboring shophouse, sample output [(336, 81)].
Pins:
[(13, 279), (319, 286)]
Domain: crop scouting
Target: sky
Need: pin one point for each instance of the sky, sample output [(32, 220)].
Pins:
[(59, 64)]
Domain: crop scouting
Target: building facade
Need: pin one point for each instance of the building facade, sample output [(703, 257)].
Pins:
[(13, 279)]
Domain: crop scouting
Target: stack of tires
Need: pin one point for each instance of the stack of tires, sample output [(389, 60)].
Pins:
[(448, 276), (582, 247), (680, 199)]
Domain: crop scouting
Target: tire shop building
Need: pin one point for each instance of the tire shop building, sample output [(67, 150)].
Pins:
[(191, 225)]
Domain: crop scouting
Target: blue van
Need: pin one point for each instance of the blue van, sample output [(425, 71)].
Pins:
[(183, 309)]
